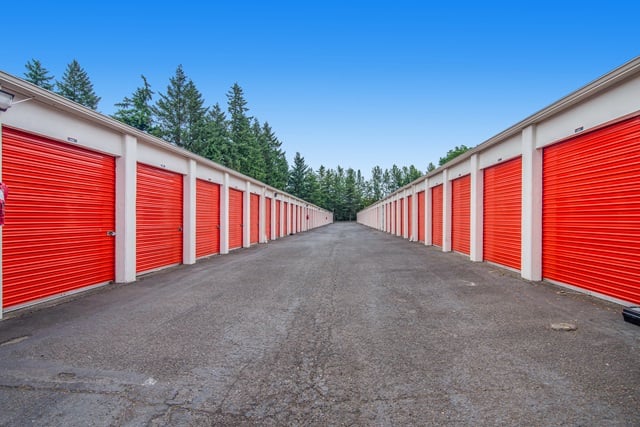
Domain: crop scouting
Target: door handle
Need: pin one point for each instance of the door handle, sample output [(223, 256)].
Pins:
[(111, 233), (179, 228)]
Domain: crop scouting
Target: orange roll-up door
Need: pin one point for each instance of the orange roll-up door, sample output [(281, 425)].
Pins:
[(461, 214), (207, 218), (158, 218), (502, 213), (255, 219), (395, 213), (436, 215), (421, 217), (60, 210), (285, 219), (410, 215), (267, 217), (278, 219), (591, 206), (236, 207), (401, 231)]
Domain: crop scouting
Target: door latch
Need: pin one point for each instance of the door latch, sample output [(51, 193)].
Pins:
[(111, 233)]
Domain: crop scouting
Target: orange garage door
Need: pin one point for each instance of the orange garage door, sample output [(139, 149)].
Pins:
[(158, 218), (236, 207), (286, 218), (255, 218), (461, 214), (401, 231), (278, 219), (591, 206), (436, 215), (410, 215), (60, 210), (267, 217), (421, 216), (502, 213), (207, 218)]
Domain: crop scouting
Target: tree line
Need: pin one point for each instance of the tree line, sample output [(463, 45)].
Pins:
[(233, 139)]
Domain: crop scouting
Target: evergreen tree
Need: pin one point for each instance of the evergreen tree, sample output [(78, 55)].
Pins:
[(240, 131), (453, 153), (377, 187), (430, 167), (297, 176), (137, 110), (218, 144), (180, 113), (76, 86), (38, 75), (257, 149), (276, 165)]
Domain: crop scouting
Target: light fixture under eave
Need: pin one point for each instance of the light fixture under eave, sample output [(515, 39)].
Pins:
[(6, 99)]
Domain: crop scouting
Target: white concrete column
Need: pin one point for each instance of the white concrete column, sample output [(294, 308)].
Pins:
[(477, 210), (224, 215), (126, 181), (393, 215), (446, 211), (405, 215), (189, 215), (531, 244), (428, 214), (262, 232), (294, 219), (414, 214), (246, 217)]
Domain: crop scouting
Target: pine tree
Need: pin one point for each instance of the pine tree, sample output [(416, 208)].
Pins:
[(430, 167), (180, 113), (240, 131), (276, 166), (137, 110), (38, 75), (76, 86), (297, 176), (218, 144), (376, 183)]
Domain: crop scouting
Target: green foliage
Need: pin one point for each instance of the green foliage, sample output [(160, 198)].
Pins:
[(137, 110), (38, 75), (431, 167), (452, 154), (76, 86)]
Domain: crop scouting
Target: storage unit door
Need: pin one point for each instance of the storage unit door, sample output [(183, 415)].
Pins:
[(60, 210), (410, 215), (461, 214), (158, 218), (401, 231), (395, 217), (278, 219), (286, 216), (388, 213), (267, 217), (591, 211), (255, 219), (421, 217), (300, 218), (503, 213), (436, 215), (207, 218), (236, 207)]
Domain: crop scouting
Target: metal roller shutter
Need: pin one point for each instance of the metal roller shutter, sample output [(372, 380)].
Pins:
[(436, 215), (388, 212), (267, 217), (395, 214), (421, 216), (401, 231), (236, 207), (502, 213), (410, 215), (278, 219), (591, 206), (255, 219), (207, 218), (286, 221), (60, 209), (158, 218), (461, 214)]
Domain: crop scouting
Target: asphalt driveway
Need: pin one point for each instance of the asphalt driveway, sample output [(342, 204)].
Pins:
[(340, 325)]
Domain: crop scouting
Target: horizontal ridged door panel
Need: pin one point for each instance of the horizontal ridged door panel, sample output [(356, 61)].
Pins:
[(278, 215), (388, 215), (207, 218), (286, 220), (158, 218), (60, 206), (503, 213), (267, 217), (395, 217), (300, 218), (421, 217), (410, 215), (591, 211), (461, 214), (235, 218), (254, 201), (401, 231), (436, 215)]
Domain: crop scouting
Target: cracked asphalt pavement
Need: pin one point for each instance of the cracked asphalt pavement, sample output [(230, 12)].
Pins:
[(342, 325)]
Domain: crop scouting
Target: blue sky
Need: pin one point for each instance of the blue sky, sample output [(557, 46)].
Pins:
[(350, 83)]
